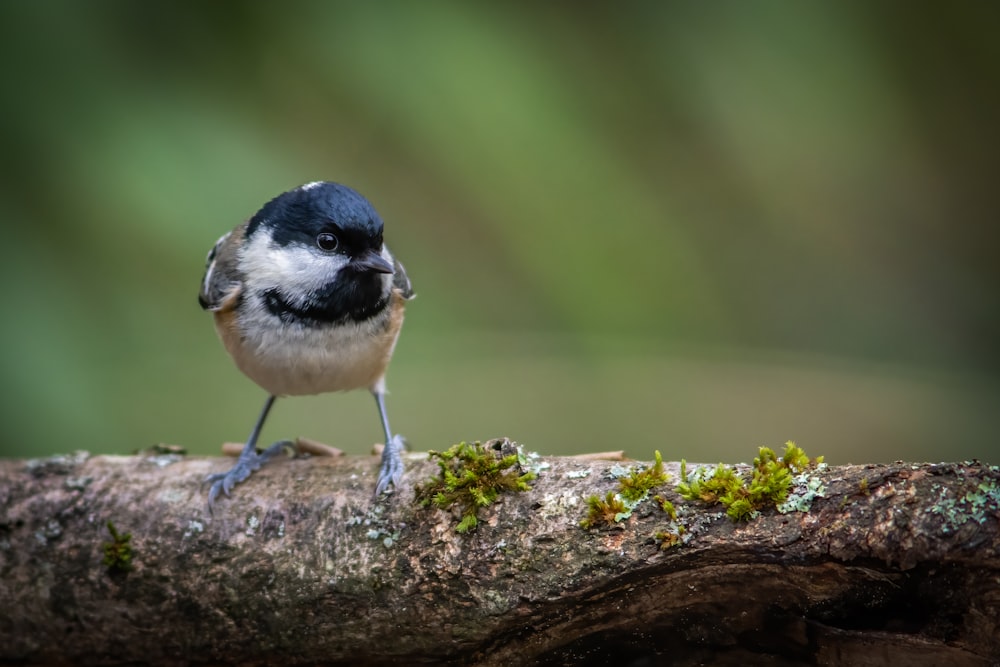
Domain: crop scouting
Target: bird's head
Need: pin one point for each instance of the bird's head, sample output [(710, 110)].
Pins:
[(318, 249)]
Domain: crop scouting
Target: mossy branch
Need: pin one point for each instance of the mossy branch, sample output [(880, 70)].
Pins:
[(302, 566)]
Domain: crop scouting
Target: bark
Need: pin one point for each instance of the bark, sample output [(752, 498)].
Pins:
[(896, 564)]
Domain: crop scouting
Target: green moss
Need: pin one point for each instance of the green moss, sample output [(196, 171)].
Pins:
[(118, 552), (471, 477), (770, 483), (606, 511), (674, 532), (669, 538), (667, 507), (634, 485), (706, 487)]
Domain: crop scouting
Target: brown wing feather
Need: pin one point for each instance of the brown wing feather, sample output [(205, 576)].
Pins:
[(400, 280), (222, 283)]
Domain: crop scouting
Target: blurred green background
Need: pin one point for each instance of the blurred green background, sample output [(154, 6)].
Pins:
[(695, 227)]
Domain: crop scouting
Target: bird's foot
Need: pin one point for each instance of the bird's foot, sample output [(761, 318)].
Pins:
[(391, 468), (223, 482)]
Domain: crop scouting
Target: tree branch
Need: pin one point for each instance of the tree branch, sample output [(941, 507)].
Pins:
[(895, 564)]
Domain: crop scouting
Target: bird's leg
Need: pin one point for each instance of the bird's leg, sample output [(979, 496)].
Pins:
[(391, 468), (249, 460)]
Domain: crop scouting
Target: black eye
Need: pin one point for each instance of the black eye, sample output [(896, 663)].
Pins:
[(327, 241)]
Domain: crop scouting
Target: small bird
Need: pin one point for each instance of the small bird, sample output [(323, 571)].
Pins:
[(307, 299)]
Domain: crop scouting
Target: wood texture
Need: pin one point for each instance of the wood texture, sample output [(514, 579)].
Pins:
[(300, 566)]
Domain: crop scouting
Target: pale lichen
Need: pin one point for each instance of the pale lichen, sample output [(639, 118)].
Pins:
[(78, 483), (531, 461), (52, 530), (805, 489), (977, 504), (164, 460), (194, 528), (59, 464), (252, 524)]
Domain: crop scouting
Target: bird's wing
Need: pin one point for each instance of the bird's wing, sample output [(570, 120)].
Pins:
[(400, 280), (221, 286)]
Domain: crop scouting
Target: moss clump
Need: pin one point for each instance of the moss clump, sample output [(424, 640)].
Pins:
[(118, 552), (669, 538), (770, 482), (471, 477), (708, 488), (672, 535), (633, 487), (607, 510), (667, 507)]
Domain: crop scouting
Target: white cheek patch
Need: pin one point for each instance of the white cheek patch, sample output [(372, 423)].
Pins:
[(294, 268)]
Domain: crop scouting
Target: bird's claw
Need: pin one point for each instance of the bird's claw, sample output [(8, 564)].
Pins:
[(246, 465), (391, 468)]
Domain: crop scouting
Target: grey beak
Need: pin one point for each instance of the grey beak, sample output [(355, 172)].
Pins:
[(370, 260)]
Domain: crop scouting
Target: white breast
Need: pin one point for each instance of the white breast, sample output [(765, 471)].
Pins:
[(295, 359)]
